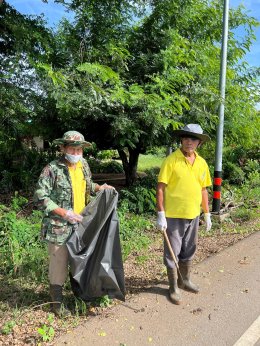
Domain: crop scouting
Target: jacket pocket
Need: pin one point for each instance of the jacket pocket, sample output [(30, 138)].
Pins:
[(58, 226)]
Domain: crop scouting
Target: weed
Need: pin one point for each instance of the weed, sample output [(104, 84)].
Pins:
[(8, 327), (142, 259), (242, 215), (104, 301), (46, 332), (81, 307), (21, 251), (133, 232)]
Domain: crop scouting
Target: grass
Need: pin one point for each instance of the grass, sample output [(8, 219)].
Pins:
[(149, 161)]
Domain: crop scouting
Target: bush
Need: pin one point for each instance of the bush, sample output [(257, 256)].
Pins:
[(138, 199), (97, 166), (23, 169), (252, 166), (151, 178), (242, 215), (233, 173), (22, 253), (107, 154)]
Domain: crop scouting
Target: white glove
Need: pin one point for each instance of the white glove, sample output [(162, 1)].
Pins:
[(72, 217), (161, 222), (207, 218), (105, 186)]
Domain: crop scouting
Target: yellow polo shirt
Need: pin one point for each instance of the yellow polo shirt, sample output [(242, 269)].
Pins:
[(78, 187), (184, 185)]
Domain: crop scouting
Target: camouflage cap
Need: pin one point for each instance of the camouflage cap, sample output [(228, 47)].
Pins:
[(72, 138)]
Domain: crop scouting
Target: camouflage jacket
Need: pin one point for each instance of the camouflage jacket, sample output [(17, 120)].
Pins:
[(54, 190)]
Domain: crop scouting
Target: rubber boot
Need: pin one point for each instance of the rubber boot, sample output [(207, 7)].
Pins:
[(174, 292), (57, 306), (184, 281)]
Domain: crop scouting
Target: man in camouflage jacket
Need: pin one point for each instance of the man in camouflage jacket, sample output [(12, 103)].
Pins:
[(54, 190), (63, 190)]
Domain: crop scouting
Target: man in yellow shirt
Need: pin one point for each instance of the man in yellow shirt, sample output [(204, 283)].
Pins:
[(181, 191)]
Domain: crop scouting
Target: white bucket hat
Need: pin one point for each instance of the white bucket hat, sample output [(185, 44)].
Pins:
[(193, 130)]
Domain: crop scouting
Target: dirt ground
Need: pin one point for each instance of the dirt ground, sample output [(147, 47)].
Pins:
[(141, 271)]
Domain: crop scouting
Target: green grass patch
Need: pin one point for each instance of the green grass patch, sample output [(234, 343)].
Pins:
[(146, 162)]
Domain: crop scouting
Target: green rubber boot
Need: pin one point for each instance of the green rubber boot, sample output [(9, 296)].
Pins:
[(57, 306), (184, 281), (174, 292)]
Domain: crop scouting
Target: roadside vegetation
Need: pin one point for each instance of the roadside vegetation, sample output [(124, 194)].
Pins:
[(125, 85), (24, 307)]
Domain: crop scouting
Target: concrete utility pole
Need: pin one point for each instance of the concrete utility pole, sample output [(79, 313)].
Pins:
[(222, 88)]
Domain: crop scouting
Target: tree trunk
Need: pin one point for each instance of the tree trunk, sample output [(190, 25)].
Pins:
[(129, 164)]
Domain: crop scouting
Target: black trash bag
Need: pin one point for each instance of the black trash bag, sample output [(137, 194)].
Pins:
[(96, 266)]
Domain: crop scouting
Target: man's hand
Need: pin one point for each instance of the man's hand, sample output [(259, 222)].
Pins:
[(72, 217), (207, 218), (105, 186), (161, 222)]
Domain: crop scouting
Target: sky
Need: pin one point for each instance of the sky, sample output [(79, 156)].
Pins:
[(53, 12)]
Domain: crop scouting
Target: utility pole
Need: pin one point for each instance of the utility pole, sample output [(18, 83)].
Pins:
[(222, 87)]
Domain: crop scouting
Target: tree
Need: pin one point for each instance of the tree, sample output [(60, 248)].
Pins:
[(25, 41), (125, 73)]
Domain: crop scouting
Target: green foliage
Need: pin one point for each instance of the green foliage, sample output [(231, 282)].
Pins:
[(249, 192), (252, 166), (233, 173), (242, 215), (8, 327), (47, 333), (21, 170), (22, 253), (133, 231), (141, 197), (138, 199), (80, 307), (239, 162), (98, 166), (104, 301), (18, 202), (124, 83)]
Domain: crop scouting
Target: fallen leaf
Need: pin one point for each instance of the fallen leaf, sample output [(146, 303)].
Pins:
[(102, 333), (245, 290)]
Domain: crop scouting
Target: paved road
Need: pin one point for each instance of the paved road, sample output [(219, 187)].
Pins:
[(226, 307)]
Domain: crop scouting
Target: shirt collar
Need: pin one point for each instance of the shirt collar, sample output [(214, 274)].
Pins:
[(180, 153)]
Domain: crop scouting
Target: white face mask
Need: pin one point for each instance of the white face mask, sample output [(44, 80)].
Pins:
[(73, 158)]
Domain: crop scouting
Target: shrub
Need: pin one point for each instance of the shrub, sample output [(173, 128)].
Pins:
[(23, 170), (22, 253), (138, 199), (98, 166), (233, 173)]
